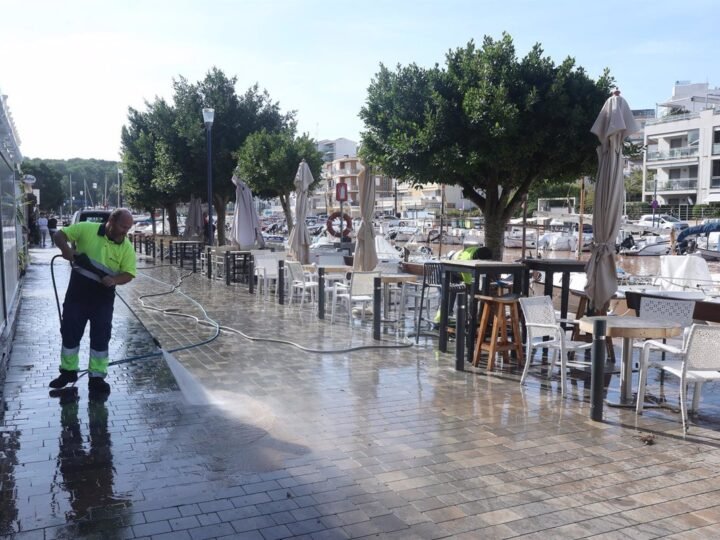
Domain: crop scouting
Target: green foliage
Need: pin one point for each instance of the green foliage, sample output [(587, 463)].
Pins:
[(48, 181), (53, 180), (488, 122), (268, 162), (165, 147), (634, 186)]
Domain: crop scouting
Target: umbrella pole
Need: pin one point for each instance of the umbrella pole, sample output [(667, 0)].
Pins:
[(580, 224), (442, 214), (524, 225)]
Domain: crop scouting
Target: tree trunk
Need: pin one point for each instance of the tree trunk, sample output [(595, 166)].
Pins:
[(171, 210), (220, 205), (495, 229), (285, 203)]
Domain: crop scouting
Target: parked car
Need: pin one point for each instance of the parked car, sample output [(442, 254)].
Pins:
[(663, 221), (96, 216)]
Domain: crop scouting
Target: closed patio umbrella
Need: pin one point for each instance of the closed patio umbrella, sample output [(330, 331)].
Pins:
[(365, 258), (612, 125), (245, 230), (299, 241), (194, 225)]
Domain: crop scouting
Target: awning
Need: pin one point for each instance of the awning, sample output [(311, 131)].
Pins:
[(713, 197)]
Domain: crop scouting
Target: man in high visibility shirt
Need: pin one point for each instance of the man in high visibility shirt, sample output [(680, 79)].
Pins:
[(103, 258)]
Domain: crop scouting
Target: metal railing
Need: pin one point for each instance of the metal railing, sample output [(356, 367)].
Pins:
[(672, 118), (679, 184), (674, 153)]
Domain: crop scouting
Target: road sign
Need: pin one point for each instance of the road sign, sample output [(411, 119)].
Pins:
[(654, 205), (341, 192)]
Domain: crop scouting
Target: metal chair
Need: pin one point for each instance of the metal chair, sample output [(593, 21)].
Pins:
[(431, 285), (541, 323), (699, 362)]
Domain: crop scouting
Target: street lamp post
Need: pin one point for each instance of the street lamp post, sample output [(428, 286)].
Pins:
[(395, 186), (208, 118), (120, 198)]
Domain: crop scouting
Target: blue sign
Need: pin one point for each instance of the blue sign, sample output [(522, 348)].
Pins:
[(654, 204)]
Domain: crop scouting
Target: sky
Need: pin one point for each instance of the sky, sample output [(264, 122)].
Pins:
[(72, 68)]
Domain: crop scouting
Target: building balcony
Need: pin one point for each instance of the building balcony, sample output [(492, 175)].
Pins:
[(673, 153), (679, 184), (672, 118)]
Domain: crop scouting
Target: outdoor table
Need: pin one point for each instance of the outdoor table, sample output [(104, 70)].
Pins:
[(322, 271), (550, 267), (629, 328), (477, 269), (195, 245)]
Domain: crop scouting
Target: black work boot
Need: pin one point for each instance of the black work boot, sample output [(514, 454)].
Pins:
[(66, 377), (98, 386)]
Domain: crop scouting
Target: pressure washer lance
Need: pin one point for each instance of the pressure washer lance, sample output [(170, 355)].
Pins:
[(191, 389)]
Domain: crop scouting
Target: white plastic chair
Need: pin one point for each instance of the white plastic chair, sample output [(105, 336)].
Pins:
[(540, 323), (699, 362), (267, 270), (667, 309), (299, 280), (360, 291)]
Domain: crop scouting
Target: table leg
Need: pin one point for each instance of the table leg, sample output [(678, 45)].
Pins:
[(626, 394), (444, 301), (626, 373)]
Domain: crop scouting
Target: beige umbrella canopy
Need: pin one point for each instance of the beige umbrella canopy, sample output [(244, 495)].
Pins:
[(245, 230), (365, 257), (613, 124), (299, 241), (194, 223)]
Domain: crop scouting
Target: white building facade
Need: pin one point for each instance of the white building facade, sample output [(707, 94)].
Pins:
[(682, 158)]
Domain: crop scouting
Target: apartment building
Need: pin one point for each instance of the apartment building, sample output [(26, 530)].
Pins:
[(682, 158), (332, 149)]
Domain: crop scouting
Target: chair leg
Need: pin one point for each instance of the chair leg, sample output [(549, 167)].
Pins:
[(642, 380), (697, 391), (683, 403), (528, 359), (419, 318), (482, 329), (494, 338)]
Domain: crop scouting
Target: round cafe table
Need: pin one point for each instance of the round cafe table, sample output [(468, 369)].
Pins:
[(629, 328)]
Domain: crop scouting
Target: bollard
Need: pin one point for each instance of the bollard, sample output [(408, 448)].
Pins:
[(377, 303), (597, 382), (251, 274), (154, 244), (281, 282), (195, 254), (321, 293), (208, 258), (170, 249), (460, 330), (162, 250), (227, 268)]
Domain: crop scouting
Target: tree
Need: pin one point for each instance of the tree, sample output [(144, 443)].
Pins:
[(268, 162), (152, 176), (49, 182), (235, 119), (487, 122)]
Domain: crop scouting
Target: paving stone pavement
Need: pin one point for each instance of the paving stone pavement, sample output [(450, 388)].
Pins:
[(390, 443)]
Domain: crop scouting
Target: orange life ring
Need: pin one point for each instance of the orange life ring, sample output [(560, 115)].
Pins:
[(330, 224)]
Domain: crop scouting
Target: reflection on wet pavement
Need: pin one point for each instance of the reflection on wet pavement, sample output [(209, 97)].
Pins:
[(388, 444)]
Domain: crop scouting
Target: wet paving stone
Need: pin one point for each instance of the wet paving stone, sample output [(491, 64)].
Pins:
[(381, 443)]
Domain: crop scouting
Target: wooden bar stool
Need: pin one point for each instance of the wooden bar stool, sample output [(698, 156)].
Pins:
[(501, 310)]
